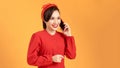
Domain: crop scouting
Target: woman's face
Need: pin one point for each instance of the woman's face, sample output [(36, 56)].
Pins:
[(54, 21)]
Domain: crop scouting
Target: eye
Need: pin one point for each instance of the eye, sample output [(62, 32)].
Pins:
[(58, 18), (52, 18)]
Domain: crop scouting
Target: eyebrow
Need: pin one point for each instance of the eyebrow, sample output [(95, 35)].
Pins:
[(55, 17)]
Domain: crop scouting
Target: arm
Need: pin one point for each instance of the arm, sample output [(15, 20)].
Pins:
[(33, 58), (70, 50)]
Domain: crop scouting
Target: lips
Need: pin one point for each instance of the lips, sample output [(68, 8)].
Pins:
[(54, 25)]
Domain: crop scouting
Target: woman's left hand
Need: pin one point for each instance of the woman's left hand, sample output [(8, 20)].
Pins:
[(67, 30)]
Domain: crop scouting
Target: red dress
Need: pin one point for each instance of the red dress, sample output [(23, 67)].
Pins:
[(43, 46)]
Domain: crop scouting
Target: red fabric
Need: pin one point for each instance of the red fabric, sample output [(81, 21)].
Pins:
[(43, 46), (45, 7)]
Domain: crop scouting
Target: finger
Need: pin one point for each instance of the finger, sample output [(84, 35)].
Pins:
[(66, 25), (66, 28), (61, 56)]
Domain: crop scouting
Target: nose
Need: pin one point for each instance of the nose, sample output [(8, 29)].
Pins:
[(55, 21)]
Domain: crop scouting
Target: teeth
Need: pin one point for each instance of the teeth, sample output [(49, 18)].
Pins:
[(55, 26)]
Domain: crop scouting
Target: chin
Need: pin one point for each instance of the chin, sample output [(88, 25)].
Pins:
[(54, 29)]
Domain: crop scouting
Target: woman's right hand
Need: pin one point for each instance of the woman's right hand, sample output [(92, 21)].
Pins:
[(57, 58)]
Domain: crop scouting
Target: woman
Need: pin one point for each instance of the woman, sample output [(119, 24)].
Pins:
[(48, 47)]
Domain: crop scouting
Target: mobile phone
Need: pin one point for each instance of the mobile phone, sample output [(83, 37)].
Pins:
[(62, 25)]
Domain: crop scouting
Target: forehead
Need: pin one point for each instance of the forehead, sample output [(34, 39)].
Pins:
[(55, 14)]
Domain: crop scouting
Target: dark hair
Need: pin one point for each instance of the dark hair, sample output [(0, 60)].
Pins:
[(47, 14)]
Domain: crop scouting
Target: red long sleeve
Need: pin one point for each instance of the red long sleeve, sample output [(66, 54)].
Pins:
[(43, 46), (70, 50), (33, 58)]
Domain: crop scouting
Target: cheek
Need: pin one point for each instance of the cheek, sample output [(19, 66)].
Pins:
[(51, 21), (59, 21)]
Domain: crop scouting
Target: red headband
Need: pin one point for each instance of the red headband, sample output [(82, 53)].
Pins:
[(44, 8)]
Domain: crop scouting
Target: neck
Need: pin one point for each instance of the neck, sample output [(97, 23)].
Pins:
[(51, 32)]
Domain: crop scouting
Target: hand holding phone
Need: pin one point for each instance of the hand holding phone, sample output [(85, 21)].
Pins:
[(65, 27)]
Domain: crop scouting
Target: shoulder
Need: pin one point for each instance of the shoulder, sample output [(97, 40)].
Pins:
[(39, 33), (60, 34)]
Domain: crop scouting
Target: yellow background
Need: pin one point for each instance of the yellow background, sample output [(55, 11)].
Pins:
[(95, 25)]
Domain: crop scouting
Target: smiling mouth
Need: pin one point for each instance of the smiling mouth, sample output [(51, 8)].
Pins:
[(54, 25)]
